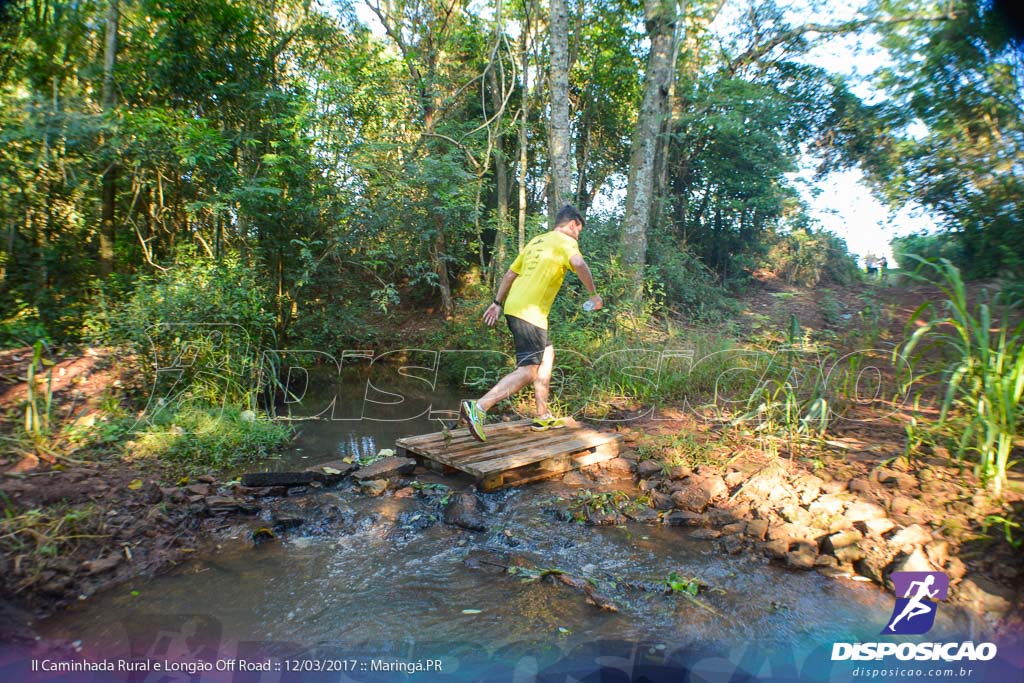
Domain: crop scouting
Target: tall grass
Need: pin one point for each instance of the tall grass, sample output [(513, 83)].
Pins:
[(985, 381)]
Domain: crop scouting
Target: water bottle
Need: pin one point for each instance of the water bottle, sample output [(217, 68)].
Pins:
[(588, 305)]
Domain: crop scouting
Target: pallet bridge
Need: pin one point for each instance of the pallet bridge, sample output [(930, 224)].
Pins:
[(513, 454)]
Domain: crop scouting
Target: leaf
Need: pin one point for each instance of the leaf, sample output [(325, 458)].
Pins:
[(135, 485), (471, 611), (330, 470)]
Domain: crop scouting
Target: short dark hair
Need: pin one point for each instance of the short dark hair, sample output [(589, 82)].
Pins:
[(567, 214)]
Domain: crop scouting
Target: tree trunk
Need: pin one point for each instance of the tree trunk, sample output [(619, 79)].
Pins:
[(108, 233), (523, 128), (501, 181), (437, 255), (660, 16), (560, 187)]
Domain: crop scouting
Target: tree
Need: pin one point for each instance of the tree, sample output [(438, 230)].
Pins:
[(559, 138)]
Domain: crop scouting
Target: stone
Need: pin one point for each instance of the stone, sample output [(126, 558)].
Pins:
[(802, 557), (720, 516), (828, 505), (224, 505), (757, 529), (734, 478), (734, 528), (776, 549), (986, 596), (333, 472), (374, 487), (661, 501), (937, 552), (643, 515), (877, 527), (826, 561), (705, 534), (733, 544), (692, 499), (834, 486), (618, 466), (862, 510), (683, 518), (680, 472), (848, 554), (648, 468), (199, 489), (576, 478), (407, 492), (912, 562), (649, 484), (900, 504), (714, 485), (93, 567), (386, 468), (465, 511), (914, 534), (870, 567), (842, 539), (955, 569)]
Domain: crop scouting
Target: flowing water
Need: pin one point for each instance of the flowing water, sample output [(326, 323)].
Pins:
[(397, 585)]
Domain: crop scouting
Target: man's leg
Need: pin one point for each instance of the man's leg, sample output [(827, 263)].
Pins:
[(508, 385), (542, 381)]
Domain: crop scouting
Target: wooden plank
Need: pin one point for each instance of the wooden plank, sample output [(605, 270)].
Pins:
[(529, 473), (477, 447), (518, 460), (541, 442), (462, 433)]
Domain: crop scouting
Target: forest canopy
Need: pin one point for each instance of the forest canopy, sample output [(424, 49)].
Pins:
[(351, 157)]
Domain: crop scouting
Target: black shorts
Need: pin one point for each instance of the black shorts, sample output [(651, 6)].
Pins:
[(529, 340)]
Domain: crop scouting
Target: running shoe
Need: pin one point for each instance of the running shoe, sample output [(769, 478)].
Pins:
[(542, 424), (474, 418)]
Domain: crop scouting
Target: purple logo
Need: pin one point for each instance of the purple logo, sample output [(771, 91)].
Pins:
[(916, 596)]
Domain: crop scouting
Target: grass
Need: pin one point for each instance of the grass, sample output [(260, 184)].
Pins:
[(984, 380), (198, 438), (29, 539)]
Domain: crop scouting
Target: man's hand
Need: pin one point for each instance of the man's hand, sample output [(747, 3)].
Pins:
[(492, 314), (597, 301)]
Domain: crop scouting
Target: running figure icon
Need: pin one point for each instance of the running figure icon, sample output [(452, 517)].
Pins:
[(916, 606), (917, 594)]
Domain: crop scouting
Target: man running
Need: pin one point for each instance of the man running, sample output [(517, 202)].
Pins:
[(916, 606), (526, 293)]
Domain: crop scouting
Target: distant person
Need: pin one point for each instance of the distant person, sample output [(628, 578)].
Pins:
[(883, 264), (526, 293), (871, 264)]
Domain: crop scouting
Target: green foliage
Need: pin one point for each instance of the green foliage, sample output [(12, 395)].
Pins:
[(808, 257), (984, 382), (929, 246), (208, 319), (198, 439)]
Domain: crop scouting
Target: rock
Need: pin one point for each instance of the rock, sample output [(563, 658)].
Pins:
[(618, 466), (848, 554), (682, 518), (834, 487), (224, 505), (649, 484), (680, 472), (860, 511), (333, 472), (861, 486), (199, 489), (288, 518), (914, 534), (937, 552), (757, 529), (294, 491), (661, 501), (802, 557), (734, 528), (207, 479), (385, 469), (407, 492), (465, 511), (842, 539), (900, 504), (870, 567), (734, 478), (648, 468), (93, 567), (828, 505), (776, 549), (733, 544), (877, 527), (643, 515), (278, 478), (374, 487), (912, 562), (955, 569), (826, 561), (896, 479), (809, 488), (692, 498), (985, 596), (705, 534), (576, 478)]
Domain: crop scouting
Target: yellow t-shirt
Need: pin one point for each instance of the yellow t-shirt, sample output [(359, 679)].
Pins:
[(540, 267)]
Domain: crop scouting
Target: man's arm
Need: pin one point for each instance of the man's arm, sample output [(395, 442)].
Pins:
[(587, 278), (494, 310)]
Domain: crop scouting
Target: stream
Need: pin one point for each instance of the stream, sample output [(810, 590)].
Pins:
[(396, 586)]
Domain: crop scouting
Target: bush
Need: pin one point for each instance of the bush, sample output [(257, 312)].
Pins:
[(806, 257), (206, 319)]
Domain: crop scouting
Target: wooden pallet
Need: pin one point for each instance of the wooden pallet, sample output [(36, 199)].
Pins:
[(512, 454)]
